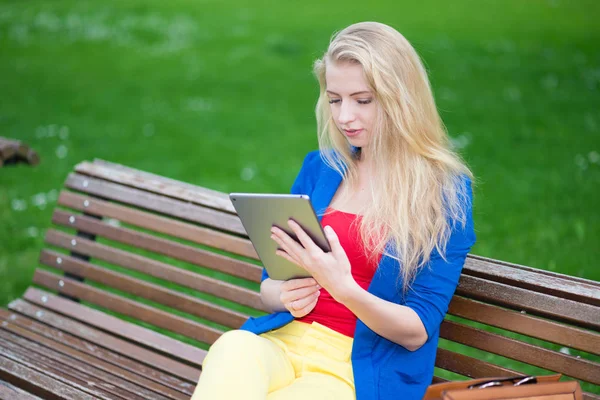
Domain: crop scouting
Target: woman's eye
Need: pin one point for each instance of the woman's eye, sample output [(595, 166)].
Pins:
[(332, 101), (367, 101)]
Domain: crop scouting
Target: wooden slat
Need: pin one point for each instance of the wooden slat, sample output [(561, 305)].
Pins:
[(584, 292), (149, 201), (156, 293), (127, 307), (106, 346), (156, 223), (8, 391), (156, 269), (69, 373), (469, 366), (69, 366), (525, 324), (158, 245), (117, 327), (157, 184), (583, 315), (44, 384), (554, 361), (62, 353), (477, 258), (159, 178)]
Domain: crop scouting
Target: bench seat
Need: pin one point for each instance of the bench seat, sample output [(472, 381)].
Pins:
[(142, 273)]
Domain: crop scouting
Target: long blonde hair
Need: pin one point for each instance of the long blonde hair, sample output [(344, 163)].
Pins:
[(418, 191)]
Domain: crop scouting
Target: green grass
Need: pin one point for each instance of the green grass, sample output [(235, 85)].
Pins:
[(221, 94)]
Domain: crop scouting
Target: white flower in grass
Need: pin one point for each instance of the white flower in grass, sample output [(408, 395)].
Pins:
[(18, 205), (61, 151), (248, 173), (39, 200), (565, 350), (52, 195), (594, 157), (63, 133), (113, 222), (32, 232), (199, 104), (461, 141)]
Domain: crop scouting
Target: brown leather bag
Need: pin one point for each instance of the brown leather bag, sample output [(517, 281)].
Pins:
[(542, 391), (435, 392)]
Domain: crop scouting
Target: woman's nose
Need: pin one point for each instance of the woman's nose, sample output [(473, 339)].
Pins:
[(346, 114)]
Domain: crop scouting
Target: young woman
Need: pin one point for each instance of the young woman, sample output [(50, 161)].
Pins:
[(395, 202)]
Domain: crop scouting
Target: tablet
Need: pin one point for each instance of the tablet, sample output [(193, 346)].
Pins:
[(259, 212)]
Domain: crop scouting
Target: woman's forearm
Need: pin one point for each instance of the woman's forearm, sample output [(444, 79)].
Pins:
[(395, 322)]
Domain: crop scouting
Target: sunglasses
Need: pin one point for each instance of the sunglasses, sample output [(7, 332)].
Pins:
[(515, 380)]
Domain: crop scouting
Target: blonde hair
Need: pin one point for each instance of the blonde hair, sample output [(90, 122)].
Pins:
[(419, 193)]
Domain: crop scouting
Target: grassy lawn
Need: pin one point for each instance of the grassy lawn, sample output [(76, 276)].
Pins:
[(221, 94)]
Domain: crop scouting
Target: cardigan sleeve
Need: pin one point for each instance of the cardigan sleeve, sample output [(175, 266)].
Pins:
[(301, 185), (434, 286)]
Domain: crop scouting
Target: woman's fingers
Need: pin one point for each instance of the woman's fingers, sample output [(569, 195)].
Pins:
[(306, 241), (287, 244), (288, 296), (298, 283), (310, 305)]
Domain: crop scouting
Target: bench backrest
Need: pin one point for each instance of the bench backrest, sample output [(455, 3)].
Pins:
[(174, 257)]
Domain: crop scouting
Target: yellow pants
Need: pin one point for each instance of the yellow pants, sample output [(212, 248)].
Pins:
[(297, 361)]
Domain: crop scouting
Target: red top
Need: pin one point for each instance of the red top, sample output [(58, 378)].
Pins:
[(328, 311)]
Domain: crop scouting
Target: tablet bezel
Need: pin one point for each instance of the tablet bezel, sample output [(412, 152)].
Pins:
[(260, 211)]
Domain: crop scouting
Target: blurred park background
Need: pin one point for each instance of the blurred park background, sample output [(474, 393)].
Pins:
[(221, 94)]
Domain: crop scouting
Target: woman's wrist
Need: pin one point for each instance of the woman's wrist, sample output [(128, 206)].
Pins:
[(347, 292), (270, 292)]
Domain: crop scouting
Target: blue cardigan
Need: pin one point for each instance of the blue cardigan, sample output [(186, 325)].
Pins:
[(383, 369)]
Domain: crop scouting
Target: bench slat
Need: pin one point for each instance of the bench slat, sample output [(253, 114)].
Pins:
[(37, 383), (156, 293), (525, 324), (9, 391), (156, 269), (107, 377), (30, 340), (157, 184), (87, 339), (544, 305), (160, 178), (169, 226), (158, 245), (585, 292), (167, 206), (120, 328), (76, 372), (554, 361), (534, 270), (43, 383), (127, 307), (469, 366)]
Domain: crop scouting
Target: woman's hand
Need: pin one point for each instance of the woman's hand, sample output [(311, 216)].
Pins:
[(331, 270), (299, 296)]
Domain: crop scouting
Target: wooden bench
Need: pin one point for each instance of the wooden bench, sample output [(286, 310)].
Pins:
[(142, 273), (14, 151)]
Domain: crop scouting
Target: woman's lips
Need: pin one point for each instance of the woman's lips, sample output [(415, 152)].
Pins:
[(352, 132)]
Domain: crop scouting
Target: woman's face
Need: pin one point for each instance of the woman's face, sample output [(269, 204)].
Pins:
[(352, 102)]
